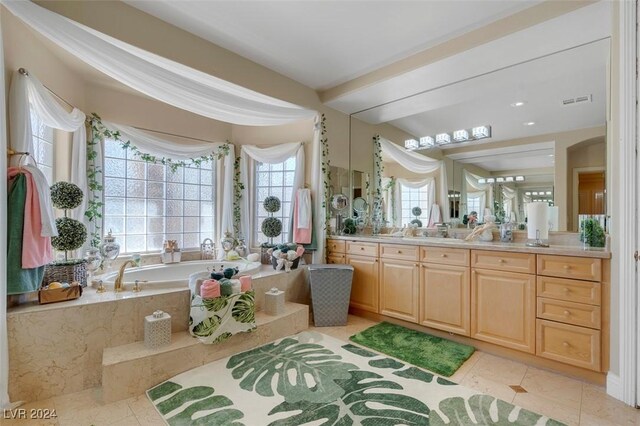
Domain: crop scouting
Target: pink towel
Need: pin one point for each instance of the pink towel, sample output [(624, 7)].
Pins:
[(302, 212), (210, 289), (36, 250), (245, 283)]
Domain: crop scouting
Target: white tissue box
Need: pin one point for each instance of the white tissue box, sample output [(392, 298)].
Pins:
[(157, 330), (274, 302)]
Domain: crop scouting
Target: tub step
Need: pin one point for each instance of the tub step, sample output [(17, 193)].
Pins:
[(131, 369)]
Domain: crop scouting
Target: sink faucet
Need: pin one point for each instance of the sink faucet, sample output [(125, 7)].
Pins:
[(118, 286)]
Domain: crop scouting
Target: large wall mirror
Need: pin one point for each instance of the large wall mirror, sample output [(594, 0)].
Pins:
[(548, 141)]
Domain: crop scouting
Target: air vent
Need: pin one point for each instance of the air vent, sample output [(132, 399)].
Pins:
[(577, 100)]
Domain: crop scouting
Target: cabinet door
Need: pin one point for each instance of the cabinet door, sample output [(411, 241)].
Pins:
[(503, 308), (364, 287), (445, 295), (399, 289), (336, 258)]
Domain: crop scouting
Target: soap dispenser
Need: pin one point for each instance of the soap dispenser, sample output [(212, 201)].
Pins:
[(170, 252)]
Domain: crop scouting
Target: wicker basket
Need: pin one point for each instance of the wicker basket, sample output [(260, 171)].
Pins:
[(66, 273)]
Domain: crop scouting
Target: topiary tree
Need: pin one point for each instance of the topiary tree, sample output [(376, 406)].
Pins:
[(71, 233), (271, 226)]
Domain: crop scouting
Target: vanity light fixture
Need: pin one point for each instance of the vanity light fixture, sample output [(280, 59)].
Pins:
[(519, 178), (443, 138), (427, 142), (528, 123), (481, 132), (411, 144), (509, 179), (491, 180), (482, 180), (518, 104), (500, 179), (527, 193), (460, 136), (548, 192)]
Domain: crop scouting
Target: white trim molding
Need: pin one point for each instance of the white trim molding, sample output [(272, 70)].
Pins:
[(624, 216), (614, 386)]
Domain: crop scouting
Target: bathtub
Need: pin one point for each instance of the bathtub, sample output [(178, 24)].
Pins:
[(176, 274)]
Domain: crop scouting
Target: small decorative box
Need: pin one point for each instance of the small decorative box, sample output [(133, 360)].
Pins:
[(274, 302), (157, 330)]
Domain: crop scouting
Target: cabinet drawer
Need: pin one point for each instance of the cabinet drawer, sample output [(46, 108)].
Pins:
[(447, 256), (336, 246), (398, 251), (362, 248), (569, 312), (569, 290), (570, 344), (579, 268), (336, 258), (504, 261)]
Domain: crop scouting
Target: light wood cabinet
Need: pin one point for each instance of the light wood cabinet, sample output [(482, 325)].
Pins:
[(504, 261), (336, 246), (399, 251), (503, 308), (443, 255), (360, 248), (336, 258), (364, 286), (577, 268), (445, 295), (570, 290), (569, 312), (569, 344), (399, 285)]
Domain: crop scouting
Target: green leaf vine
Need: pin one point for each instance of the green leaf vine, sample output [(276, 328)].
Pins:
[(326, 174), (238, 187), (94, 171), (378, 169)]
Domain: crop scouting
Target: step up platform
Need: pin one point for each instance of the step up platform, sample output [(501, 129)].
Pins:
[(131, 369)]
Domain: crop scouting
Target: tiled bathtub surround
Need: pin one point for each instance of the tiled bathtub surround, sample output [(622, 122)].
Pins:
[(57, 349)]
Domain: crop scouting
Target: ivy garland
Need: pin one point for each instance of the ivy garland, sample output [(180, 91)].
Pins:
[(238, 187), (94, 172), (326, 174), (378, 169)]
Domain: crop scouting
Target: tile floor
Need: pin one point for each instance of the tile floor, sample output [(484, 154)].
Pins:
[(568, 400)]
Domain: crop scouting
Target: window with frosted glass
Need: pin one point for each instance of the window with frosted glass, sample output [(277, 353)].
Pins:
[(42, 146), (276, 180), (146, 204), (415, 197), (473, 205)]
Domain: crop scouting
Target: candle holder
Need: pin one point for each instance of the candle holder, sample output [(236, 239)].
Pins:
[(537, 242)]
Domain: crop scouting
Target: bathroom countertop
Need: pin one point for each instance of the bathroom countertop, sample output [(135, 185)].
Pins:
[(520, 247)]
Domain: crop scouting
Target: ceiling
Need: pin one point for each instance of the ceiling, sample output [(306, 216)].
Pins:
[(529, 156), (324, 43)]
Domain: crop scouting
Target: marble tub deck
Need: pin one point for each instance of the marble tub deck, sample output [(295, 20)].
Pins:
[(57, 349)]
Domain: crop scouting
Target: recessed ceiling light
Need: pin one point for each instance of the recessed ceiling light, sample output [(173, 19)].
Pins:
[(551, 155), (528, 123), (518, 104)]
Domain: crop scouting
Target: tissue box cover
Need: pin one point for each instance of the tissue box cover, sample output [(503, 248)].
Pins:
[(274, 302), (157, 331)]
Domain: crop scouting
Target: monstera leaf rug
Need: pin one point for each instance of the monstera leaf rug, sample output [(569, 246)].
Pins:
[(313, 379)]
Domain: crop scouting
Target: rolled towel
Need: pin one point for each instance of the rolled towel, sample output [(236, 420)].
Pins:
[(292, 255), (217, 276), (226, 289), (300, 251), (245, 283), (253, 257), (236, 286), (210, 289)]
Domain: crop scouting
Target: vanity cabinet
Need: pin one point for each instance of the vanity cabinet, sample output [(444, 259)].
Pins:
[(569, 311), (363, 257), (336, 251), (503, 304), (399, 281), (445, 297)]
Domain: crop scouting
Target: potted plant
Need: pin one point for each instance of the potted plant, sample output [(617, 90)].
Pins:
[(71, 236)]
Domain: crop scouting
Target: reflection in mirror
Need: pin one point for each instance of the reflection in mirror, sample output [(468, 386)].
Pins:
[(548, 124)]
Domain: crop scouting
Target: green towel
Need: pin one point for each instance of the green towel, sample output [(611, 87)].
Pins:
[(18, 280)]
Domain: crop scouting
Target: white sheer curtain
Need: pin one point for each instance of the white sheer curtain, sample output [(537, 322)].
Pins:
[(510, 202), (27, 93), (473, 189), (419, 163), (317, 191), (158, 77), (250, 154), (157, 146)]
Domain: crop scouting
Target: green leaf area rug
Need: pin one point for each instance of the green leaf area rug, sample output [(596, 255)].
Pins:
[(313, 379), (436, 354)]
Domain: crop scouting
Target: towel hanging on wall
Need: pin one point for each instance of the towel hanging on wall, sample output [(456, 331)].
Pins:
[(302, 217)]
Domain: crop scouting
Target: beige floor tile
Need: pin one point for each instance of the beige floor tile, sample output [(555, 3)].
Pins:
[(97, 416), (587, 419), (45, 414), (596, 403), (549, 408), (68, 405), (488, 386), (144, 411), (553, 386), (461, 372), (499, 370), (128, 421)]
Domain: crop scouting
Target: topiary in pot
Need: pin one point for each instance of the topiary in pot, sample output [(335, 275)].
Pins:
[(271, 227), (271, 204), (66, 196)]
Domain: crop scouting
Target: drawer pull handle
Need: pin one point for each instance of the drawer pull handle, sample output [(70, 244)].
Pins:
[(361, 248), (500, 260), (566, 344), (415, 264), (399, 251), (567, 290), (443, 255), (567, 313), (566, 267)]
